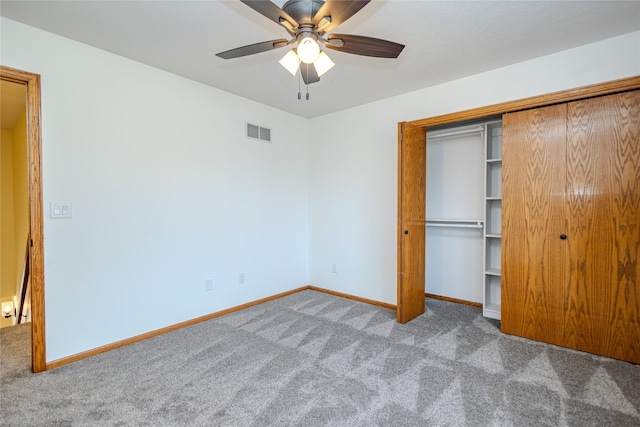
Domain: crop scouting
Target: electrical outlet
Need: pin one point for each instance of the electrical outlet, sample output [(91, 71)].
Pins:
[(334, 268), (208, 285), (241, 279)]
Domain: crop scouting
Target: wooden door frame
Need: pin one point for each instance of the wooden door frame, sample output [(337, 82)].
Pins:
[(615, 86), (36, 250)]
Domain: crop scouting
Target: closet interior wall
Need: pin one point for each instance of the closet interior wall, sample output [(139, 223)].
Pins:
[(455, 207)]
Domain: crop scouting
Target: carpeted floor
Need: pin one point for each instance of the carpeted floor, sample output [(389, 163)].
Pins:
[(312, 359)]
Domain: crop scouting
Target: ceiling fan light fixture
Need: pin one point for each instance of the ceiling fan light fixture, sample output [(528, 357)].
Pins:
[(324, 23), (291, 62), (307, 22), (308, 50), (323, 64)]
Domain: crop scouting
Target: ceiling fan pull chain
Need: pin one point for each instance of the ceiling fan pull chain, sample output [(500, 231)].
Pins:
[(299, 78), (306, 80)]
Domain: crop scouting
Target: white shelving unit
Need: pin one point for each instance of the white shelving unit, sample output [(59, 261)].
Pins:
[(493, 218)]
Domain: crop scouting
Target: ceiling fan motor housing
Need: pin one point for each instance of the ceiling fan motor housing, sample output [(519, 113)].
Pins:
[(303, 11)]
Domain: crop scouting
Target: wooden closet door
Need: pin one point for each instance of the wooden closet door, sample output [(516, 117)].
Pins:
[(533, 253), (412, 168), (603, 196)]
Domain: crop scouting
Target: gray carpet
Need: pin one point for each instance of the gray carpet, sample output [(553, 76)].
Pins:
[(312, 359)]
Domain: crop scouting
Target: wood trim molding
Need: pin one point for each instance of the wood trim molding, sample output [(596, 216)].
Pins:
[(455, 300), (354, 298), (36, 251), (108, 347), (621, 85)]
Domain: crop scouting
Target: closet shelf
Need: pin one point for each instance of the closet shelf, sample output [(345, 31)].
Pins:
[(492, 311), (493, 217), (477, 129)]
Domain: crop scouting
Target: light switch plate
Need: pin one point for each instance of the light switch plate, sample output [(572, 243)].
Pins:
[(60, 210)]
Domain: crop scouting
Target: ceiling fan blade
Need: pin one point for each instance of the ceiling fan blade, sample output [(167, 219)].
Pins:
[(339, 11), (252, 49), (366, 46), (309, 74), (273, 12)]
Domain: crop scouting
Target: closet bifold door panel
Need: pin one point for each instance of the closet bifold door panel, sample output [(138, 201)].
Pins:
[(533, 255), (412, 151), (603, 193), (571, 225)]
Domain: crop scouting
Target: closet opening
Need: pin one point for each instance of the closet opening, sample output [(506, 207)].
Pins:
[(412, 145), (462, 233)]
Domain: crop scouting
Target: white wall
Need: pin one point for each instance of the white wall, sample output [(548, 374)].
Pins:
[(166, 193), (353, 169)]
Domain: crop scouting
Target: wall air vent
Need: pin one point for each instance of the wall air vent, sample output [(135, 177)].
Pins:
[(258, 132)]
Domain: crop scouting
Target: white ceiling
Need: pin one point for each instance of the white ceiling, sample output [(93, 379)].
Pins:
[(445, 40)]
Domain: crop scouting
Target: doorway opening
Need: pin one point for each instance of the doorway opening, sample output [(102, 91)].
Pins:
[(34, 243)]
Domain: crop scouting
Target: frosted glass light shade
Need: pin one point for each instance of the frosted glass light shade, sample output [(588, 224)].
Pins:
[(291, 62), (308, 50), (323, 64)]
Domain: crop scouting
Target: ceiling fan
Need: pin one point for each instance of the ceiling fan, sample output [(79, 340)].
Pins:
[(307, 22)]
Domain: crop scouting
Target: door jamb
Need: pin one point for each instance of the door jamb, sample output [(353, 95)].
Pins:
[(36, 249)]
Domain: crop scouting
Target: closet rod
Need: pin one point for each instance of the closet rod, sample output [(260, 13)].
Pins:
[(457, 223), (459, 132)]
